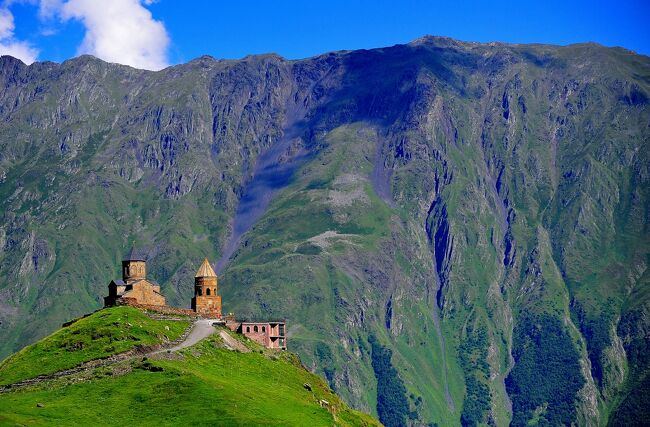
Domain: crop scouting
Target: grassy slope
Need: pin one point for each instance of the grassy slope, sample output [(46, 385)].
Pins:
[(209, 385), (99, 335)]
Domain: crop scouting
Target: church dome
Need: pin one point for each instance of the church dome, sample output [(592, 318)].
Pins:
[(135, 255), (205, 270)]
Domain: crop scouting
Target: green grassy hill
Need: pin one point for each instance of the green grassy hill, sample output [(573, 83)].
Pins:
[(207, 384)]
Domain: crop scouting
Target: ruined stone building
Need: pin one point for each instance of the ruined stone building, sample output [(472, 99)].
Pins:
[(134, 286), (206, 301), (270, 334)]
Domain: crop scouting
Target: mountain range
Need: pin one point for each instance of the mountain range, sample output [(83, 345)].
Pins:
[(456, 233)]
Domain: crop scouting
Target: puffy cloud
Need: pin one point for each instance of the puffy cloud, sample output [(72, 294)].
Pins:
[(6, 24), (120, 31), (8, 44)]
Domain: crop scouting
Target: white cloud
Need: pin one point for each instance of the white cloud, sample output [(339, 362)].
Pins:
[(120, 31), (8, 43), (6, 24), (49, 8)]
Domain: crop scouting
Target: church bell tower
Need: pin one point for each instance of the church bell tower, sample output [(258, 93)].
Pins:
[(206, 301)]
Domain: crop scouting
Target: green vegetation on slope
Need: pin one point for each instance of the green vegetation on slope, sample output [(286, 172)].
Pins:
[(634, 409), (635, 401), (206, 384), (331, 252), (546, 376), (102, 334), (392, 405), (473, 354)]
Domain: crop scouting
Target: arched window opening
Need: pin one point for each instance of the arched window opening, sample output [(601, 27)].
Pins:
[(207, 291), (263, 328), (255, 328), (248, 328), (200, 293)]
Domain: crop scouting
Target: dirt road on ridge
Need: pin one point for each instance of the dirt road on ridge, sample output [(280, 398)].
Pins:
[(200, 330)]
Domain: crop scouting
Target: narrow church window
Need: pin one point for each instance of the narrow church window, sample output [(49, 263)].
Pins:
[(200, 293), (248, 328), (255, 328), (263, 328), (207, 291)]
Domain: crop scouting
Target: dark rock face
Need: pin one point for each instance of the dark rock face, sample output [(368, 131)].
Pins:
[(440, 196), (442, 241)]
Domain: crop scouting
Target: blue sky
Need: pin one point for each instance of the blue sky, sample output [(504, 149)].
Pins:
[(152, 34)]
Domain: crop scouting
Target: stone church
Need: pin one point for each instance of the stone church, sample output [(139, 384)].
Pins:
[(134, 286), (136, 290)]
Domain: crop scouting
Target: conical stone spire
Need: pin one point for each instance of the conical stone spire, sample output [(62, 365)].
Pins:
[(205, 270), (135, 254)]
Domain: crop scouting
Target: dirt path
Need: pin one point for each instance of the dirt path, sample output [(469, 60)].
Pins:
[(200, 330), (233, 344)]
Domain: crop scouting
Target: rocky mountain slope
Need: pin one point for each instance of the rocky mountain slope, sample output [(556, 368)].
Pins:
[(459, 230)]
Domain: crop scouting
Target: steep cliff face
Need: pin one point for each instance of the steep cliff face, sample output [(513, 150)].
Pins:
[(481, 210)]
